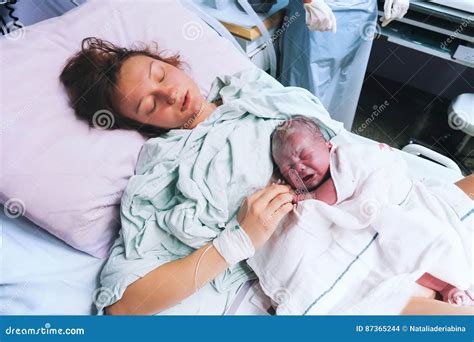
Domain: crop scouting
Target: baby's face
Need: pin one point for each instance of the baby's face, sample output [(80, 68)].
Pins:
[(303, 159)]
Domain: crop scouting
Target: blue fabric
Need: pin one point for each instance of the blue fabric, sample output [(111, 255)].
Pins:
[(331, 66)]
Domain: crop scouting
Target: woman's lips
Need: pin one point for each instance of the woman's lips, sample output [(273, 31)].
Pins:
[(186, 100)]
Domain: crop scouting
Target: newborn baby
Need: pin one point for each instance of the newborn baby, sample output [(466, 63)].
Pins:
[(303, 157)]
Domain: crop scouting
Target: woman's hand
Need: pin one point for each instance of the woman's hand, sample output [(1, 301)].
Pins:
[(261, 212)]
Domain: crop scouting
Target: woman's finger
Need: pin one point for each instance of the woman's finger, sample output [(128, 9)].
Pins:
[(281, 212), (270, 192), (278, 201)]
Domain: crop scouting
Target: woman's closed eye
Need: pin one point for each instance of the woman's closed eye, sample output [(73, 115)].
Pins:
[(160, 74), (155, 105), (163, 75), (153, 108)]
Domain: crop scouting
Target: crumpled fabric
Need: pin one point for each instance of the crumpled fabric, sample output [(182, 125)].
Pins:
[(190, 183)]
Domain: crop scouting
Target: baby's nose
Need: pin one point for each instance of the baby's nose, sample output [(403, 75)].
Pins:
[(299, 167)]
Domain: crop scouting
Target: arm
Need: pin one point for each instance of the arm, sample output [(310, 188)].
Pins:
[(174, 281), (168, 284)]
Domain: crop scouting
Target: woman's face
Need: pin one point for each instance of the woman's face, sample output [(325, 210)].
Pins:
[(156, 93)]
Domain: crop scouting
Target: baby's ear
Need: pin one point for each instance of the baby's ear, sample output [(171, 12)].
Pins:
[(329, 145)]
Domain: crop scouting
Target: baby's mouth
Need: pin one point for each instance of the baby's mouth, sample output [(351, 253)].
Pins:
[(307, 178)]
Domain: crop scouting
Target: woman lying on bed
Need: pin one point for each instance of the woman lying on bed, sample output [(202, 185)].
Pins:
[(188, 186)]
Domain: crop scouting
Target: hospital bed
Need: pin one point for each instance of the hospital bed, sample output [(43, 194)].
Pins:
[(42, 275)]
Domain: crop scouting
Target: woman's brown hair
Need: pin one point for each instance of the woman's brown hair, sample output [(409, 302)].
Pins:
[(90, 77)]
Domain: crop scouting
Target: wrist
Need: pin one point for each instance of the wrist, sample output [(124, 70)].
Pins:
[(233, 244)]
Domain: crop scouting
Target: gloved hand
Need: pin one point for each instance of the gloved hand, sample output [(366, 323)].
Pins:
[(394, 9), (319, 16)]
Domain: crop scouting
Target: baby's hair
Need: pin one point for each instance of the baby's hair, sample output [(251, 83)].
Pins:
[(281, 134)]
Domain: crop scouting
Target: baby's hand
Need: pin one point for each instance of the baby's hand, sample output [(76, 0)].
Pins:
[(301, 196)]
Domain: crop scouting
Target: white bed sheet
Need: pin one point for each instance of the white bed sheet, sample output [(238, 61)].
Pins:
[(41, 275)]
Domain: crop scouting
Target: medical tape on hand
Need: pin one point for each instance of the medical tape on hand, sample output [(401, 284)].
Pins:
[(234, 244)]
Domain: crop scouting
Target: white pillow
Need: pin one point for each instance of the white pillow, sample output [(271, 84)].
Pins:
[(67, 177)]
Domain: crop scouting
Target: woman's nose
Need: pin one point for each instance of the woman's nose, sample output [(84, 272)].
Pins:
[(168, 94)]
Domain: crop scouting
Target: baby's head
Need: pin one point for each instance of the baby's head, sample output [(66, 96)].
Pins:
[(301, 152)]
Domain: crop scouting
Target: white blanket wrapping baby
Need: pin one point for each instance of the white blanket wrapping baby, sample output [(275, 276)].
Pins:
[(364, 254)]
